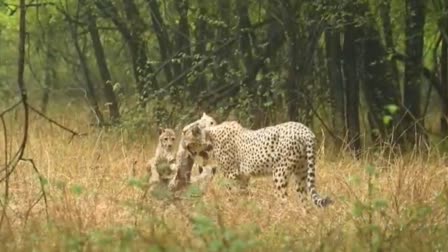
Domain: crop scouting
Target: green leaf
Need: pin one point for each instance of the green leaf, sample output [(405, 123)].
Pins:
[(380, 204), (77, 190), (387, 119), (202, 225), (370, 169), (358, 209), (43, 181), (193, 191), (135, 182), (268, 103), (423, 211), (215, 245), (161, 192), (392, 108), (60, 185), (355, 180)]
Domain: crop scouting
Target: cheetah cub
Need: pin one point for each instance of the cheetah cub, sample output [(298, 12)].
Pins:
[(162, 165)]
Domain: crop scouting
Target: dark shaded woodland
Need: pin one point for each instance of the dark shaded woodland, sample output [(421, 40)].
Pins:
[(366, 72)]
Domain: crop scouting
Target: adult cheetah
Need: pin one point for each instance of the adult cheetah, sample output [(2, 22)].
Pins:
[(281, 150)]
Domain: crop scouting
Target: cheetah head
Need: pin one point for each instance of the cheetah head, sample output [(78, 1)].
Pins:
[(204, 122), (196, 140), (166, 138)]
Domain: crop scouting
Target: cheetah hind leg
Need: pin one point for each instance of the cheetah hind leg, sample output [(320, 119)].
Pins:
[(281, 177), (300, 175)]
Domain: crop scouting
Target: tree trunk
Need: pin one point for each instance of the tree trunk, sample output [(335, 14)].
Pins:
[(201, 35), (334, 66), (108, 90), (143, 72), (222, 59), (49, 77), (384, 9), (183, 44), (415, 20), (138, 44), (351, 87), (91, 93), (162, 38), (444, 87), (293, 103), (244, 25), (380, 89)]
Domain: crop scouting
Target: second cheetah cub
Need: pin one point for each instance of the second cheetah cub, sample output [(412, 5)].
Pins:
[(162, 165)]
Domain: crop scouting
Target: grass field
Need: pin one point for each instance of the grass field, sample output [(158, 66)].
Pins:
[(94, 186)]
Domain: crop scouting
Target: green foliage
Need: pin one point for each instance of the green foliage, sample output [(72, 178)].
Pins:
[(161, 191), (215, 63), (139, 183), (193, 191), (77, 190), (218, 238), (392, 108)]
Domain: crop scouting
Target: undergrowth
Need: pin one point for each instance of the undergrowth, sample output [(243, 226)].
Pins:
[(95, 187)]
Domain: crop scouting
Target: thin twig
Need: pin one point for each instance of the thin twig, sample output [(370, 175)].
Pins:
[(74, 133), (11, 108), (6, 192), (42, 183)]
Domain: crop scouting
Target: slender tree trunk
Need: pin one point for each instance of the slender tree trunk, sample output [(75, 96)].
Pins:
[(415, 20), (380, 88), (444, 87), (183, 35), (334, 66), (183, 45), (144, 74), (91, 93), (293, 79), (222, 37), (201, 35), (384, 9), (162, 37), (49, 77), (108, 90), (351, 88), (244, 25), (144, 71), (293, 103)]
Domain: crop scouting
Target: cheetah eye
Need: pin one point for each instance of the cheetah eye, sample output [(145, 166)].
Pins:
[(166, 139), (172, 139)]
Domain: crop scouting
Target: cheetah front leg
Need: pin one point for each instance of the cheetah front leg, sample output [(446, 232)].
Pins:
[(242, 181), (152, 171)]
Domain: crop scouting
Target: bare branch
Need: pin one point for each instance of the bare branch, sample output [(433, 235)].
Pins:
[(42, 185), (74, 133)]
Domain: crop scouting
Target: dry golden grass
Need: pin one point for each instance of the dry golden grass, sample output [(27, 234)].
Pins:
[(93, 206)]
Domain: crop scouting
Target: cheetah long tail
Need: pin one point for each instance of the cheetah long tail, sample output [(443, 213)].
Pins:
[(315, 197)]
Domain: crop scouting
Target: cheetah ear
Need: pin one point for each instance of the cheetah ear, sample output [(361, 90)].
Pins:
[(161, 130)]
